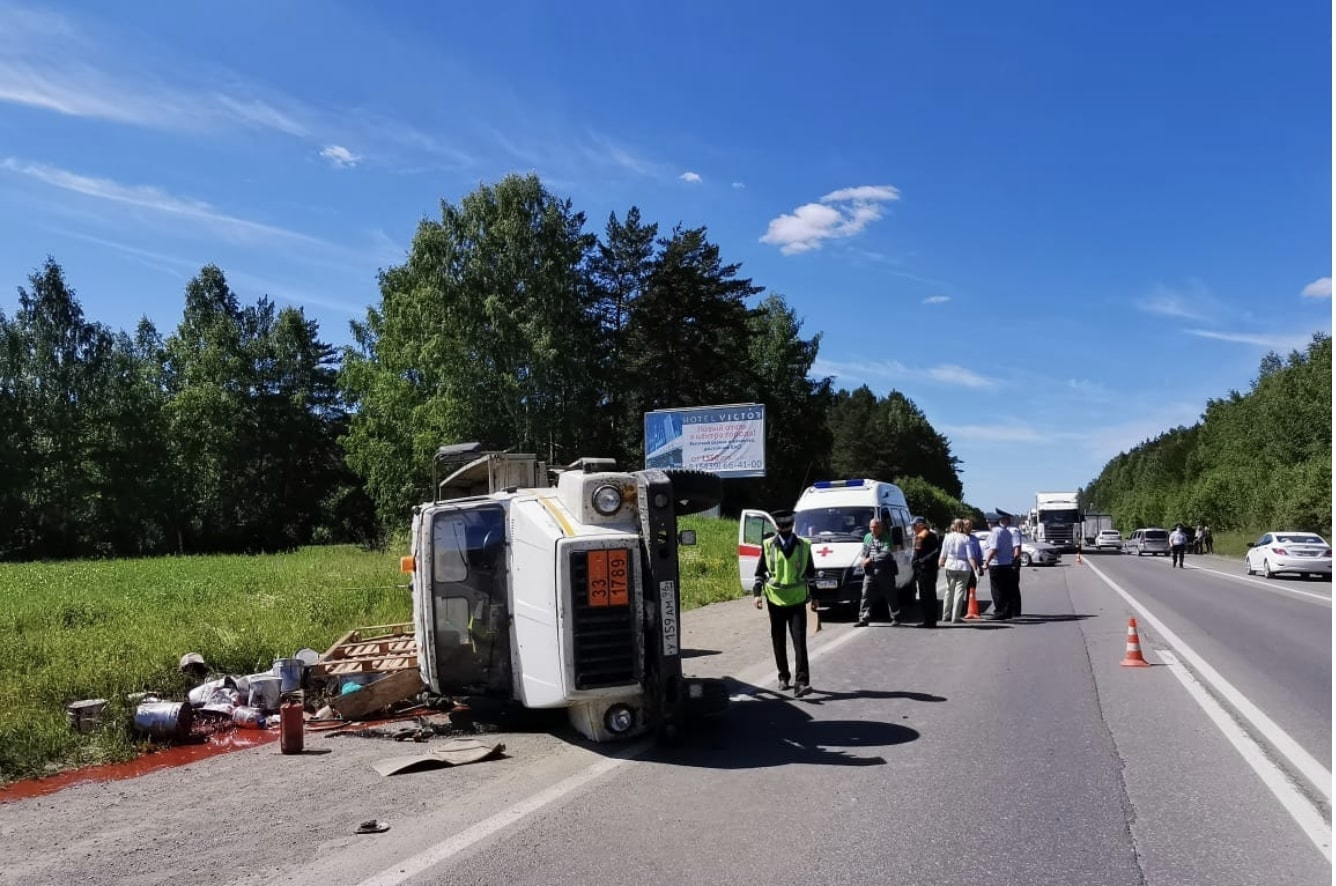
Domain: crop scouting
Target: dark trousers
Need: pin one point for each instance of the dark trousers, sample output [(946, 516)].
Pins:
[(926, 579), (794, 620), (1176, 555), (1003, 584)]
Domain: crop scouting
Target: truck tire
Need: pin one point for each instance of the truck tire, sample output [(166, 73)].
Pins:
[(695, 491)]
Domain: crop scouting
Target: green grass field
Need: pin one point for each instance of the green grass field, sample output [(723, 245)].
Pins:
[(104, 629)]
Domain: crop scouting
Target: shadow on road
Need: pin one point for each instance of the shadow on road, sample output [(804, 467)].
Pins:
[(774, 729), (1040, 618), (820, 696), (698, 653)]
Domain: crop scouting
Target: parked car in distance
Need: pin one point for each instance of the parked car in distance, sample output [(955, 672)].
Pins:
[(1148, 541), (1039, 553), (1303, 553), (1109, 538)]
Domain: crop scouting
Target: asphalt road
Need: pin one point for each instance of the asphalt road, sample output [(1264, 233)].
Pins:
[(1016, 753), (1270, 638)]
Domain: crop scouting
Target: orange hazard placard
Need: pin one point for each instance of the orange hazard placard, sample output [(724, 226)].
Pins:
[(597, 582), (619, 573)]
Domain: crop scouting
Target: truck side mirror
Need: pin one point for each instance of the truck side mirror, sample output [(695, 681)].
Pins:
[(686, 538)]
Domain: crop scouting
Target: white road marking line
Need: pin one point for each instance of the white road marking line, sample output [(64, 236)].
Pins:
[(451, 846), (1295, 803), (434, 855), (1306, 764), (1262, 584)]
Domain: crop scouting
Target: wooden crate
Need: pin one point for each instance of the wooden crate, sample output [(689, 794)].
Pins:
[(381, 649)]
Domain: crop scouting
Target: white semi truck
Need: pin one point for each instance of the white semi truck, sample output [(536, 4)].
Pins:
[(1056, 519), (562, 596)]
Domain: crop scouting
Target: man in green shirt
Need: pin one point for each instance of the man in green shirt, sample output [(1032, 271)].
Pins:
[(782, 575)]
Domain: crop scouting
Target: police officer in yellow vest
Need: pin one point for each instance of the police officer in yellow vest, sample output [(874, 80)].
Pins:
[(782, 574)]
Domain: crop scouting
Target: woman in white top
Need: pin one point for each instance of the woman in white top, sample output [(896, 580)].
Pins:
[(959, 562)]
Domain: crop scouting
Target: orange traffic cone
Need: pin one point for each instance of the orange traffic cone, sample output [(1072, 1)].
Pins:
[(972, 610), (1078, 556), (1133, 658)]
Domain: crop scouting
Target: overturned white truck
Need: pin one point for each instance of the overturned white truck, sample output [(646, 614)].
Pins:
[(562, 596)]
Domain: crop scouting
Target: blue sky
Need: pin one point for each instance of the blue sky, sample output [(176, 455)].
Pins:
[(1058, 228)]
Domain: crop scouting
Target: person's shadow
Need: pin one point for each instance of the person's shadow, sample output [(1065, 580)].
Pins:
[(763, 728)]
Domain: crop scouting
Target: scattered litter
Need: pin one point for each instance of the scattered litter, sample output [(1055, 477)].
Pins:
[(456, 752), (164, 719), (372, 826), (86, 715), (388, 690)]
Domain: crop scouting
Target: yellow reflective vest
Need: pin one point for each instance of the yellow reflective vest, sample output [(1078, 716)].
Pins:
[(786, 582)]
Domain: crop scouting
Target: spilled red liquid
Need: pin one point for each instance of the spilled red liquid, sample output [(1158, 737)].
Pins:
[(218, 743)]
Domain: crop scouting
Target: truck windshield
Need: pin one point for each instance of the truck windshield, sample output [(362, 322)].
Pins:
[(468, 605), (834, 524), (1059, 515)]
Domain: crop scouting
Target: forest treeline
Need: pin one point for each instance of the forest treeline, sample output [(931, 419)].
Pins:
[(508, 323), (511, 324), (1259, 461)]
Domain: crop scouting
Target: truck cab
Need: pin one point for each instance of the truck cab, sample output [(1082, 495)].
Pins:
[(560, 596), (834, 516)]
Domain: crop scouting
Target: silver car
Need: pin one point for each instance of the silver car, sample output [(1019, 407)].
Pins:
[(1149, 541), (1039, 553)]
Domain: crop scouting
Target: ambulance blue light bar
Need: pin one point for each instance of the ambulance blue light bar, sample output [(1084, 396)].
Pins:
[(836, 484)]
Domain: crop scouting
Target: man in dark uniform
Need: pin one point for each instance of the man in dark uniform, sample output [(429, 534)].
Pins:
[(783, 573), (927, 550)]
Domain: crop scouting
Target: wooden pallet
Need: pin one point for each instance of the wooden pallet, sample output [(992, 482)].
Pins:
[(381, 649)]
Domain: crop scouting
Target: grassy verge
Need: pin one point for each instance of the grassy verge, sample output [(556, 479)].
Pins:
[(104, 629)]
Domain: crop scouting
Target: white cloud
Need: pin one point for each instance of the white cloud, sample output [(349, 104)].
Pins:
[(937, 299), (859, 372), (155, 200), (959, 375), (1008, 433), (1168, 302), (1319, 288), (340, 157), (863, 193), (1277, 342), (841, 213), (690, 177), (738, 186), (872, 373)]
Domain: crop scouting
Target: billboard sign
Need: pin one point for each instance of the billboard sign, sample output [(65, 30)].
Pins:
[(724, 440)]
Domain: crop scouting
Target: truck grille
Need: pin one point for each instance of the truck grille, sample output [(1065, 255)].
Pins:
[(605, 632)]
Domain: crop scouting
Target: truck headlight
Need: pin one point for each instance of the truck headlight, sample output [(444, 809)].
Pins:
[(606, 500), (619, 719)]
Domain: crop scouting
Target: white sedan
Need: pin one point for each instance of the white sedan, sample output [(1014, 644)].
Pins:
[(1304, 553), (1109, 538)]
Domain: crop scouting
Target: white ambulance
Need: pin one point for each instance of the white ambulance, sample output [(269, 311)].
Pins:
[(834, 515)]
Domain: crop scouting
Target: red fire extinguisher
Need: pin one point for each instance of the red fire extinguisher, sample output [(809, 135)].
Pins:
[(290, 727)]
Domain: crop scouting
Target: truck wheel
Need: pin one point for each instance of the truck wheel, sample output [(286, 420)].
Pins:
[(695, 491)]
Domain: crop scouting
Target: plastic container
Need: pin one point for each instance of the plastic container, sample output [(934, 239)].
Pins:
[(291, 725), (202, 693), (249, 718), (289, 673), (264, 692)]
